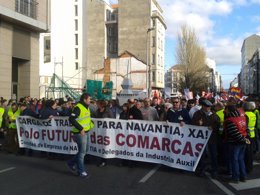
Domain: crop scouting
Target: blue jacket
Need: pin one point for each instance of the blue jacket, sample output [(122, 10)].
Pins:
[(178, 116)]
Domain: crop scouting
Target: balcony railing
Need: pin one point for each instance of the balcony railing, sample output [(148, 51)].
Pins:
[(27, 7)]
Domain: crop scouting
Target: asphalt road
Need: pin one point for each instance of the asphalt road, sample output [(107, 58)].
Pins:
[(36, 175)]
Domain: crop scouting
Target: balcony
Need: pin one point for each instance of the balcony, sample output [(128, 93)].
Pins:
[(27, 8)]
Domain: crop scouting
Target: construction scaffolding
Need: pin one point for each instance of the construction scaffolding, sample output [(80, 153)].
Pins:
[(59, 89)]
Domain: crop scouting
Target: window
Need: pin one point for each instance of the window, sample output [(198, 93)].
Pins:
[(153, 62), (154, 41), (27, 7), (47, 48), (76, 25), (76, 53), (76, 65), (47, 45), (108, 14), (154, 23), (153, 77), (76, 39), (109, 31), (76, 10), (158, 60)]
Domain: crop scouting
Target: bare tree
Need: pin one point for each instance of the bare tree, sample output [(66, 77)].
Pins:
[(191, 56)]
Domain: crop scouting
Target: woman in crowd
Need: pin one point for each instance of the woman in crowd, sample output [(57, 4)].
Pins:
[(103, 111), (235, 136)]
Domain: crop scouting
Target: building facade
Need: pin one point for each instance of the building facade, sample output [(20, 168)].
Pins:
[(85, 32), (172, 79), (249, 47), (21, 22), (68, 45), (254, 73), (125, 66), (174, 74), (134, 26), (141, 30)]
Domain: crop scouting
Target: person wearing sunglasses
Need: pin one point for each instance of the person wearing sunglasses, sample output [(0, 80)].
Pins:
[(177, 114)]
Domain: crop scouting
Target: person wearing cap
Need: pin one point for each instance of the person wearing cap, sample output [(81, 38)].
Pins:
[(82, 124), (205, 117)]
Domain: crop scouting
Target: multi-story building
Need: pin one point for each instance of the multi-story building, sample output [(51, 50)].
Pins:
[(20, 25), (215, 81), (67, 57), (174, 74), (249, 47), (141, 31), (84, 33), (172, 79), (254, 73), (134, 26)]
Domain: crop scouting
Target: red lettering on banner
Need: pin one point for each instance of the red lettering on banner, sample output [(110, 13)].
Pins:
[(166, 144), (120, 143), (106, 140), (50, 135), (131, 138), (174, 150), (43, 134), (58, 134), (143, 141), (187, 149), (102, 140), (198, 147), (174, 146), (155, 144)]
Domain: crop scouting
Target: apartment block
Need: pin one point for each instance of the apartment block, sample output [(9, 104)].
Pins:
[(249, 47), (254, 73), (131, 25), (85, 33), (21, 22)]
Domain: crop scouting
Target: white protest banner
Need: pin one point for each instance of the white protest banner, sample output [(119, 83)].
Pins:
[(156, 142), (46, 135)]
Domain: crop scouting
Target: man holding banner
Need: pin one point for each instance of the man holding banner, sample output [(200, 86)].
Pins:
[(81, 121)]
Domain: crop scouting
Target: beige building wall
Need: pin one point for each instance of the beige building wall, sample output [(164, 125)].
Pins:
[(6, 35), (96, 36), (19, 43), (29, 71), (134, 20)]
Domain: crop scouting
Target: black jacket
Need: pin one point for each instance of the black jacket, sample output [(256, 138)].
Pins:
[(135, 113)]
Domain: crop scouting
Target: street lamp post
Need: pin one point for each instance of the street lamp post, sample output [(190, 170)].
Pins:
[(148, 66)]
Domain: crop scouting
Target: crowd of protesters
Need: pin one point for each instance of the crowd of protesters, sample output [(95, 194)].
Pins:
[(235, 125)]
